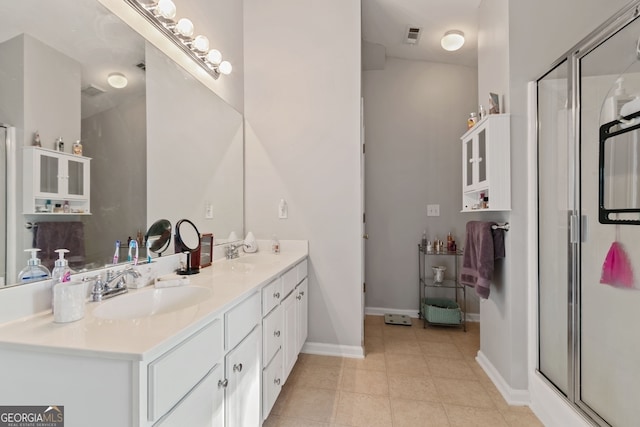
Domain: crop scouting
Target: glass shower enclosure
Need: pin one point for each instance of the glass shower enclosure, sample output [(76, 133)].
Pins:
[(589, 166)]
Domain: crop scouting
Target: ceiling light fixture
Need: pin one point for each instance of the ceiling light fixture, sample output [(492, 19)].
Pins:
[(452, 40), (117, 80), (162, 13)]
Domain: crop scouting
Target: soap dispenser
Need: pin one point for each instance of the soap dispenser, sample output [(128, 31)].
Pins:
[(34, 271), (61, 273)]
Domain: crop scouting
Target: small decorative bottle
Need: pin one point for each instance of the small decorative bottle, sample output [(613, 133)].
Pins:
[(471, 121), (36, 139), (77, 148), (482, 112), (275, 245)]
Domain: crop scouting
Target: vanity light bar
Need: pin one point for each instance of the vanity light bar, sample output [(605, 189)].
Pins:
[(161, 14)]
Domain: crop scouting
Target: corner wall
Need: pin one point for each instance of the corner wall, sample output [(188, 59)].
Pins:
[(302, 115)]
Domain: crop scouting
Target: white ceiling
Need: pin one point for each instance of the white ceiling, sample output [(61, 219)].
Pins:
[(385, 22)]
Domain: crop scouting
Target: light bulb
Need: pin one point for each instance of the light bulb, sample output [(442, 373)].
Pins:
[(184, 27), (214, 57), (225, 67), (452, 40), (201, 43), (117, 80), (166, 9)]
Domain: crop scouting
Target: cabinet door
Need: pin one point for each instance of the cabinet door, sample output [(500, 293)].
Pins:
[(302, 314), (467, 164), (77, 177), (243, 372), (203, 406), (480, 162), (48, 174), (289, 345)]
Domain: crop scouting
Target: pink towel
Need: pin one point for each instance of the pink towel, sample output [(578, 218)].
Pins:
[(482, 247), (616, 270)]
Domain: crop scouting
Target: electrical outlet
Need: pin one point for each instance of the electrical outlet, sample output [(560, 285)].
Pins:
[(433, 210), (208, 211)]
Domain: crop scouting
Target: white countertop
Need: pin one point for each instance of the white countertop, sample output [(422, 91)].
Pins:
[(145, 338)]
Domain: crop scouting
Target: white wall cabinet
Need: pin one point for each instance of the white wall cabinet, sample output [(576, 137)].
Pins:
[(58, 177), (486, 160)]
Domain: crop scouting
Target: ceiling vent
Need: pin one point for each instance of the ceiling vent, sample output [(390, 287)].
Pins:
[(93, 90), (412, 36)]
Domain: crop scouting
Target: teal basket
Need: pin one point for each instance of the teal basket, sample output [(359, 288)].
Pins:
[(442, 311)]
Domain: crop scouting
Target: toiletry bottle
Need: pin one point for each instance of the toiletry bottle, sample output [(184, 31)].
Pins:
[(34, 271), (482, 112), (471, 121), (36, 139), (77, 148), (65, 207), (423, 243), (59, 145), (275, 245), (61, 272), (449, 242)]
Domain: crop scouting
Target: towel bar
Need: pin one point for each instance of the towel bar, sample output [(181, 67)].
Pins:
[(504, 226)]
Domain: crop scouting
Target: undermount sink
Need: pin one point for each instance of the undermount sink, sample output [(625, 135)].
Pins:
[(259, 259), (152, 302)]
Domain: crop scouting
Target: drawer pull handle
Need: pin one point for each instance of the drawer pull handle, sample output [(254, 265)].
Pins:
[(223, 383), (276, 295), (276, 334), (237, 368), (299, 297), (276, 381)]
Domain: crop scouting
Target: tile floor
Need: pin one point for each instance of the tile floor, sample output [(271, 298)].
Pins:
[(410, 377)]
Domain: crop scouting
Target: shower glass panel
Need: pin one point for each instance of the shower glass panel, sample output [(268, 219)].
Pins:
[(609, 374), (554, 209)]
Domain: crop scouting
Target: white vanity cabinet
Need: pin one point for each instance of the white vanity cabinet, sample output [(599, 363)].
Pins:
[(284, 330), (486, 163), (55, 176), (242, 394)]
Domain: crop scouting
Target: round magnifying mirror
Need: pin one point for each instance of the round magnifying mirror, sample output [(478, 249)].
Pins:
[(158, 236), (187, 240)]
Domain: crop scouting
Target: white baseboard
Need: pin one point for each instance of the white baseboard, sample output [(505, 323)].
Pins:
[(354, 352), (511, 395), (381, 311)]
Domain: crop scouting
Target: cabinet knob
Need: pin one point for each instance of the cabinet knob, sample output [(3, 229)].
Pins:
[(301, 292), (276, 334), (365, 236), (479, 159), (223, 383), (299, 297), (276, 381), (471, 160), (237, 368), (276, 295)]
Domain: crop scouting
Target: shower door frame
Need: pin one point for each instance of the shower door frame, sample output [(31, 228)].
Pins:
[(11, 222), (576, 224)]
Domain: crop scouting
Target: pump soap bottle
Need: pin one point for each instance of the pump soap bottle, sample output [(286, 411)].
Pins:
[(61, 272), (34, 270)]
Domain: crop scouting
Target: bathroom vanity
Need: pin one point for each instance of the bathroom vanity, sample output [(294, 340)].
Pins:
[(213, 353)]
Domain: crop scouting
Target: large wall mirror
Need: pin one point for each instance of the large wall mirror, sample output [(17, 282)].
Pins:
[(164, 146)]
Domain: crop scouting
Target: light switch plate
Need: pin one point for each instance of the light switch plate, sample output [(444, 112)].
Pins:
[(433, 210)]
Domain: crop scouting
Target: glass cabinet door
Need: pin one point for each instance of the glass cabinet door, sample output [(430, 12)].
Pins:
[(468, 163), (49, 172), (76, 177), (481, 158)]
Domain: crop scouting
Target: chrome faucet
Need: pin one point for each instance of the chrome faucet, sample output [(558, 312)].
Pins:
[(231, 251), (107, 289)]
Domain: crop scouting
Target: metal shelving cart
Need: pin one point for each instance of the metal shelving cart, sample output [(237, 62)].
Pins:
[(441, 311)]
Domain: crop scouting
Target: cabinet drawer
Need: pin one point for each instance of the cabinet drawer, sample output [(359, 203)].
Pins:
[(289, 281), (271, 384), (301, 269), (173, 374), (241, 319), (271, 295), (272, 334), (203, 406)]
